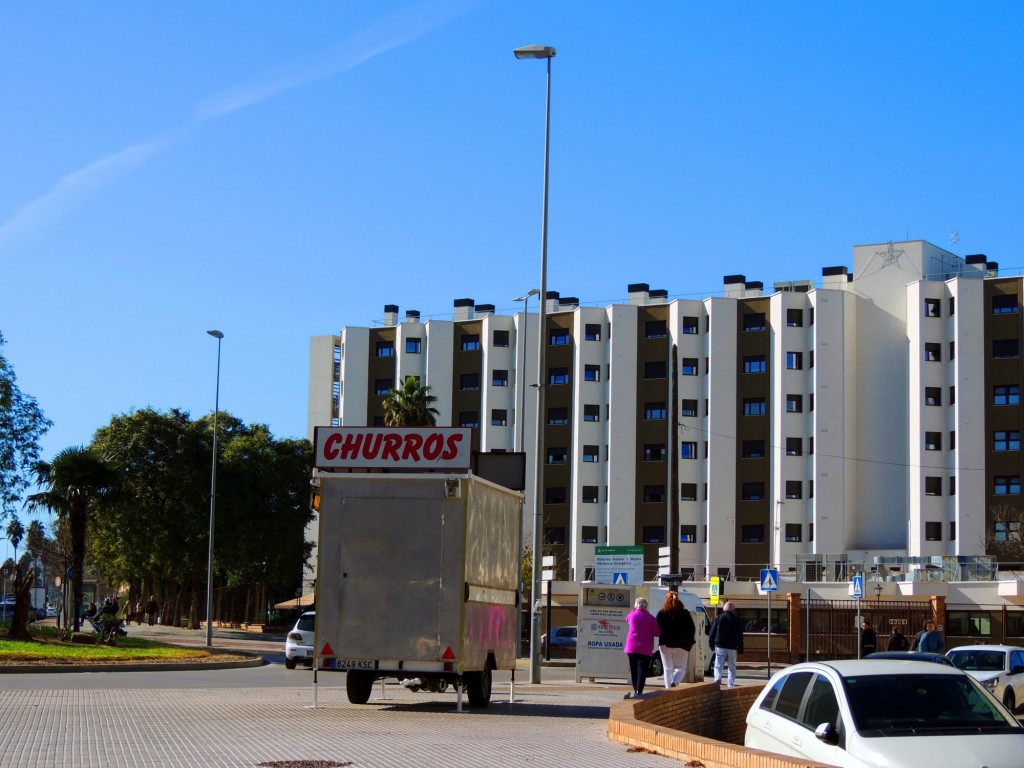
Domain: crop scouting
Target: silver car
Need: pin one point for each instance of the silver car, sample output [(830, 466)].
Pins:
[(298, 646), (883, 714), (1000, 668)]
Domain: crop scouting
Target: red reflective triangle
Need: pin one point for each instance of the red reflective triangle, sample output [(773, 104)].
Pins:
[(327, 651), (448, 654)]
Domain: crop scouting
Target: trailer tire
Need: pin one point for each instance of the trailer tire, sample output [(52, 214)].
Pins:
[(478, 687), (358, 685)]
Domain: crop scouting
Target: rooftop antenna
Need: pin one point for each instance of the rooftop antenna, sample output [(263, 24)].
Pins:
[(954, 240)]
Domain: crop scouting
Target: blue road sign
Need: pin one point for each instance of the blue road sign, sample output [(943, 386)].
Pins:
[(858, 586), (620, 578), (769, 579)]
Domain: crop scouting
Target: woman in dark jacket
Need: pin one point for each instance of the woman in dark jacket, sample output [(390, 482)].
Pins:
[(675, 638)]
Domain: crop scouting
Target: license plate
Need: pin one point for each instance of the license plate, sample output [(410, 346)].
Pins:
[(353, 664)]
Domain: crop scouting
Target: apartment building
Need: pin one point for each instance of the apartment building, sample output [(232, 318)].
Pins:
[(873, 414)]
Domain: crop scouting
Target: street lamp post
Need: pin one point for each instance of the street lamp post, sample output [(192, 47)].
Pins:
[(547, 53), (213, 500), (521, 418)]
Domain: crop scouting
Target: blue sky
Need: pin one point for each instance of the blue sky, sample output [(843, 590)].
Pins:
[(278, 171)]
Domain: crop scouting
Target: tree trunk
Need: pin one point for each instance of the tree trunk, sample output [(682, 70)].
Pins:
[(19, 621)]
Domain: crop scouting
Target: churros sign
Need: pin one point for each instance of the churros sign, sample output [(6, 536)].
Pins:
[(392, 447)]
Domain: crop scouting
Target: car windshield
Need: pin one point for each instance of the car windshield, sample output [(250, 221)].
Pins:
[(908, 705), (978, 661), (306, 623)]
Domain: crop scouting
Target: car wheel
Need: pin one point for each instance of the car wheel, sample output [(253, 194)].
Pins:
[(656, 667), (1009, 700), (289, 663)]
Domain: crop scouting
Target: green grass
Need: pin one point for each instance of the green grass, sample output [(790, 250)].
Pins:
[(45, 646)]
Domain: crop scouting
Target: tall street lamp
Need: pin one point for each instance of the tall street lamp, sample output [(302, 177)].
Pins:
[(213, 501), (540, 52), (521, 419)]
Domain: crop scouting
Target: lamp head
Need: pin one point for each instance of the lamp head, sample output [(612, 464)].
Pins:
[(216, 334), (529, 293), (535, 52)]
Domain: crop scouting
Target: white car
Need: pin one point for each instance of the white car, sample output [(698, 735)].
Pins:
[(1000, 668), (298, 646), (883, 714)]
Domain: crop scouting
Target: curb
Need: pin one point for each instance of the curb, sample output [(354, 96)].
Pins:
[(20, 669)]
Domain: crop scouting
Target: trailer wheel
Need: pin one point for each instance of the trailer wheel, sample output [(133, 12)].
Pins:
[(478, 687), (358, 685)]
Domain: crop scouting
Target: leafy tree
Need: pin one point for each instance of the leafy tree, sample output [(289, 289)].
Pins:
[(76, 482), (15, 533), (410, 405), (21, 425)]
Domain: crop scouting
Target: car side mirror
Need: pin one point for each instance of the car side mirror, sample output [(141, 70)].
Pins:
[(826, 733), (1017, 670)]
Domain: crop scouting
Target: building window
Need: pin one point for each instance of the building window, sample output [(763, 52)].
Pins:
[(795, 318), (469, 419), (753, 491), (558, 337), (558, 375), (499, 417), (752, 534), (654, 493), (591, 413), (754, 321), (1003, 349), (654, 370), (385, 349), (794, 532), (952, 485), (933, 531), (383, 386), (754, 364), (933, 395), (687, 534), (1003, 532), (952, 530), (794, 403), (794, 446), (952, 350), (590, 494), (689, 367), (1006, 394), (591, 372), (654, 452), (499, 378), (688, 450), (933, 441), (588, 534), (689, 325), (933, 486), (557, 456), (1004, 304), (952, 306), (932, 308), (469, 381), (932, 352), (590, 454), (794, 361), (810, 359), (470, 342), (753, 406), (654, 411), (753, 449), (555, 536), (500, 338), (654, 534), (794, 489), (413, 345), (655, 329), (688, 408), (1006, 485), (687, 491), (1006, 440), (554, 495), (592, 332), (558, 416)]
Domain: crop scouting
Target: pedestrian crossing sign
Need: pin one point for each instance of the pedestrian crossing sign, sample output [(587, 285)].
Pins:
[(716, 585), (769, 580)]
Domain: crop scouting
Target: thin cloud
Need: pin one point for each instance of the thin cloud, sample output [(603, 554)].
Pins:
[(391, 32)]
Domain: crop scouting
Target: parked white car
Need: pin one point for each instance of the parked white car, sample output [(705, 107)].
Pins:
[(298, 646), (1000, 668), (883, 714)]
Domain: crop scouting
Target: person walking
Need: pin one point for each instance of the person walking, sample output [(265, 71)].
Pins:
[(898, 641), (129, 610), (676, 632), (932, 640), (152, 606), (639, 645), (868, 638), (726, 640)]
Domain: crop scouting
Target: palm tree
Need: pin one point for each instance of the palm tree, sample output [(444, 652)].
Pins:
[(75, 481), (411, 405)]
